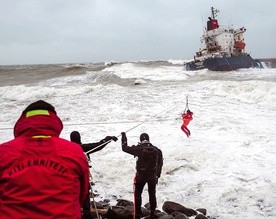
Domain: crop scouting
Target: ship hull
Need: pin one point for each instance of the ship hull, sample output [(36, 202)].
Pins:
[(224, 63)]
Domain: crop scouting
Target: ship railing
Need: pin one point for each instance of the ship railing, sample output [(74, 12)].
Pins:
[(220, 30)]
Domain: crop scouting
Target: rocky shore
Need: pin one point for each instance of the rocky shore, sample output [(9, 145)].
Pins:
[(124, 210)]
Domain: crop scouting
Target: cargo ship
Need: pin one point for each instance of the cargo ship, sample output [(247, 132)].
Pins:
[(222, 49)]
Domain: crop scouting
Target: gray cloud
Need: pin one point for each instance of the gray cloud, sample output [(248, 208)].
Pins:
[(62, 31)]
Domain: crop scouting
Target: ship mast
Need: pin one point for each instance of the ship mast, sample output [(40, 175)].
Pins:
[(214, 12)]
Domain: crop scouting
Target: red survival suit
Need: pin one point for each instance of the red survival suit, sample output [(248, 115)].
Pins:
[(187, 118), (41, 175)]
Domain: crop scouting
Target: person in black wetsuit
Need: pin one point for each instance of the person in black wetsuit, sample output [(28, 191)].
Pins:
[(97, 146), (149, 166)]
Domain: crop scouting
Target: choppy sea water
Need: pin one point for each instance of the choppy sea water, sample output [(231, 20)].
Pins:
[(227, 166)]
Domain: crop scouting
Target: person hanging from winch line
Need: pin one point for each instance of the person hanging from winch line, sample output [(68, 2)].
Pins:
[(187, 117), (88, 147)]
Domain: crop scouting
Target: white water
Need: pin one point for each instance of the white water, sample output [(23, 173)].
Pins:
[(227, 165)]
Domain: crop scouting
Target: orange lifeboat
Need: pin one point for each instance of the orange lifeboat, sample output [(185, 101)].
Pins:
[(239, 45)]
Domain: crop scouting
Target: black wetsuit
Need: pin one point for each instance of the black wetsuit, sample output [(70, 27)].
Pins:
[(149, 176)]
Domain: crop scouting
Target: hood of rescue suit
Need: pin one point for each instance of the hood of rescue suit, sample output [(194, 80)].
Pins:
[(39, 119)]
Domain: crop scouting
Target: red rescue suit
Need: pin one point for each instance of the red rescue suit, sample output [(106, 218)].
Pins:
[(41, 175), (187, 118)]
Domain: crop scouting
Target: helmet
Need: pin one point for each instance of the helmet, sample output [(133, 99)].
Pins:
[(75, 137), (189, 111), (144, 136)]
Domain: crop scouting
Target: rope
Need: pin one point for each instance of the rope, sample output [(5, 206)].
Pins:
[(91, 151), (95, 171), (101, 123), (114, 122), (92, 194), (6, 128)]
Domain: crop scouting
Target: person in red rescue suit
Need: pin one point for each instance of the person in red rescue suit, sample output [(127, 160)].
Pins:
[(88, 147), (149, 166), (187, 118), (41, 175)]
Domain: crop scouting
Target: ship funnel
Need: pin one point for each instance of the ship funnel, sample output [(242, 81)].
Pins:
[(212, 24)]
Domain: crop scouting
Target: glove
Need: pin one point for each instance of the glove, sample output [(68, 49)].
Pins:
[(114, 138), (124, 138), (109, 138)]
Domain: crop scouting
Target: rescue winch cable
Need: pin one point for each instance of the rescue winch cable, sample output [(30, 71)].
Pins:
[(187, 104)]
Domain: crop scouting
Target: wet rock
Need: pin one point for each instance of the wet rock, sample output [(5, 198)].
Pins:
[(98, 205), (202, 210), (124, 210), (170, 207), (181, 216), (145, 212), (201, 216), (123, 202), (139, 82), (166, 217), (160, 214), (147, 206), (119, 212)]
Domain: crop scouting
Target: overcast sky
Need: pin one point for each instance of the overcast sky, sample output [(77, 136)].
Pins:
[(74, 31)]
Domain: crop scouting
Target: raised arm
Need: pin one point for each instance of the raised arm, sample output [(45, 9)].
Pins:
[(134, 150)]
